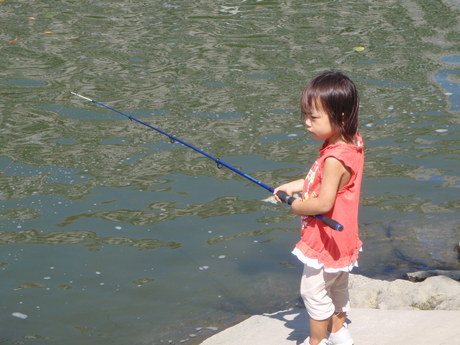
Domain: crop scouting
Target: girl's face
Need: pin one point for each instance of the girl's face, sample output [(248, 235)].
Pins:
[(319, 125)]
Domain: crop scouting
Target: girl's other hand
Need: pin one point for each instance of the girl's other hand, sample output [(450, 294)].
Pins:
[(280, 188), (289, 188)]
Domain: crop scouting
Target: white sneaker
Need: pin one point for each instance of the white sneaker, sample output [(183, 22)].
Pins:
[(323, 342), (341, 337)]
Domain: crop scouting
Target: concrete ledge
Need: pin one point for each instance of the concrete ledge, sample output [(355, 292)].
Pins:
[(368, 327)]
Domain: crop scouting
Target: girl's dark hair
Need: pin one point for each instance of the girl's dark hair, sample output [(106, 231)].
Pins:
[(337, 95)]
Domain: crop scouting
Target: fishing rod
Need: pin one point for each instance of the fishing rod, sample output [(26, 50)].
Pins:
[(281, 194)]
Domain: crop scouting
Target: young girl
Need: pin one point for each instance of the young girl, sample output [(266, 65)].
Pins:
[(329, 107)]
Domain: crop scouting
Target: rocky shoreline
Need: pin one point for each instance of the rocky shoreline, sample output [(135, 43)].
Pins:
[(425, 309), (425, 290)]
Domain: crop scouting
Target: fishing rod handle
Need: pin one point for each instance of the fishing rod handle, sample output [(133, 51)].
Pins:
[(285, 197), (330, 222), (326, 220)]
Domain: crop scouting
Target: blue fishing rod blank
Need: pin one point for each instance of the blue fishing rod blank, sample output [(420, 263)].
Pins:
[(282, 195)]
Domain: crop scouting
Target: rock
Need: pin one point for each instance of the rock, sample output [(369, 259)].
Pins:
[(428, 247), (434, 293), (422, 275)]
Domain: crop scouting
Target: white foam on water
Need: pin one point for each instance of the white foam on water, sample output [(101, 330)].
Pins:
[(20, 315), (271, 199)]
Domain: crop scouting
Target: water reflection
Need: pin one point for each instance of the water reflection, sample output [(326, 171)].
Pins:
[(446, 78), (89, 239)]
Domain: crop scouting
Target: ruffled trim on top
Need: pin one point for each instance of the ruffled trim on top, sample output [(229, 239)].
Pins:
[(316, 264)]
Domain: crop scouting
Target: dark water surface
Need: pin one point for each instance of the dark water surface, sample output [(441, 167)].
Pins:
[(112, 235)]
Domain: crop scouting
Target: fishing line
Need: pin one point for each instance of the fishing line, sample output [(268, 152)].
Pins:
[(282, 195)]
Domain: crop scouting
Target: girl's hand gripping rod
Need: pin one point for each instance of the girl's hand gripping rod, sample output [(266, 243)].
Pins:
[(282, 195), (326, 220)]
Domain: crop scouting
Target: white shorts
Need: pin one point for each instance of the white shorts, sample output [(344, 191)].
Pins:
[(324, 293)]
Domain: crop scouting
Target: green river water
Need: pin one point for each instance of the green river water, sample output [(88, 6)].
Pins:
[(110, 234)]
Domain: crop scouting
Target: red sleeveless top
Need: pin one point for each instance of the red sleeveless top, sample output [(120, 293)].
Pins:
[(329, 247)]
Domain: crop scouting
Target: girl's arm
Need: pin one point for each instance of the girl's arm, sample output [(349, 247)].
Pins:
[(335, 177)]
